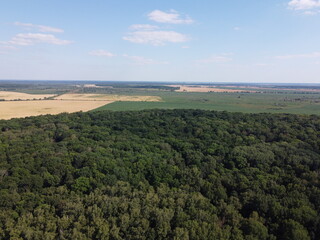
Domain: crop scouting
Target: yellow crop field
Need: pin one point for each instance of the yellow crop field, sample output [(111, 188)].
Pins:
[(6, 95), (64, 103), (16, 109)]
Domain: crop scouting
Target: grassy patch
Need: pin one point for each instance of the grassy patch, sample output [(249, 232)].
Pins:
[(233, 102)]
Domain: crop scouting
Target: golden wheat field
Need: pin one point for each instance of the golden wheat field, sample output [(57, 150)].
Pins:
[(17, 109), (64, 103), (9, 96)]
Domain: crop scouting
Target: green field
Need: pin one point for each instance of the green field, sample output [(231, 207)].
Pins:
[(233, 102), (275, 99)]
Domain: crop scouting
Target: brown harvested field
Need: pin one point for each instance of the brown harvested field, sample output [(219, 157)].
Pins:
[(202, 88), (9, 96), (17, 109), (107, 97)]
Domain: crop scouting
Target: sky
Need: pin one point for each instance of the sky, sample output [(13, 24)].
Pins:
[(274, 41)]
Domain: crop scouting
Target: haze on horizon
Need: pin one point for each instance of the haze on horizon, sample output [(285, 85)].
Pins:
[(203, 41)]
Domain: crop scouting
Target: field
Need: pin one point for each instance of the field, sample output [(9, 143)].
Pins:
[(204, 88), (117, 96), (10, 96), (233, 102), (17, 104), (107, 97), (17, 109)]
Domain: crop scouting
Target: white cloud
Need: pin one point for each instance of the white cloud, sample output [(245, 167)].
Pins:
[(304, 4), (223, 58), (150, 34), (40, 28), (294, 56), (142, 60), (156, 38), (237, 28), (143, 27), (169, 17), (101, 53), (308, 7), (27, 39)]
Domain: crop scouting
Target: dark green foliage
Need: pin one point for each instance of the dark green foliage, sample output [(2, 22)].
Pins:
[(160, 174)]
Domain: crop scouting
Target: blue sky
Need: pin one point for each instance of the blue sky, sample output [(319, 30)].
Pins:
[(161, 40)]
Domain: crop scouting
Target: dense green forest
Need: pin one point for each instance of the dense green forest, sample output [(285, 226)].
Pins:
[(160, 174)]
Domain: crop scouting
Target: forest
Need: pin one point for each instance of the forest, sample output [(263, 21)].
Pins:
[(160, 174)]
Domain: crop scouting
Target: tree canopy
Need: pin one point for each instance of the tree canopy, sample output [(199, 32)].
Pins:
[(160, 174)]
